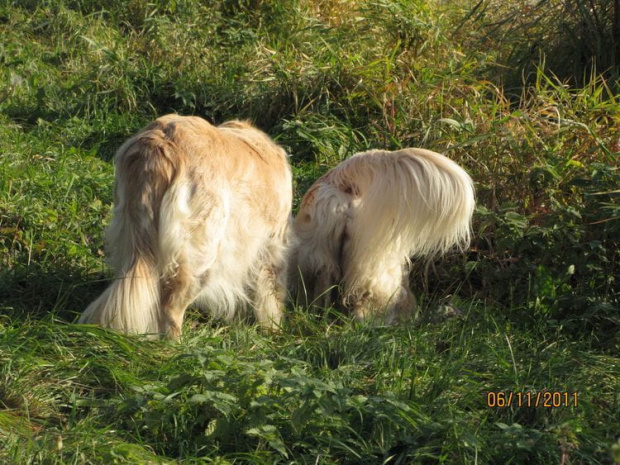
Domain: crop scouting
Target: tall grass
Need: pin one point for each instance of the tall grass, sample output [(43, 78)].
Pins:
[(576, 39), (534, 304)]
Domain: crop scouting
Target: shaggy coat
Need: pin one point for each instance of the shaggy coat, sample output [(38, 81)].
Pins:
[(360, 223), (202, 214)]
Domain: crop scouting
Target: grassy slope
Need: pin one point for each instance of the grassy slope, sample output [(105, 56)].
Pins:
[(538, 293)]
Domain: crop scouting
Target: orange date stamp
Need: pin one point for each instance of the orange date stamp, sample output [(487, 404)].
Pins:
[(542, 399)]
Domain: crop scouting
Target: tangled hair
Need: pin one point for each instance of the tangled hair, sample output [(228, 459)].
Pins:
[(360, 224)]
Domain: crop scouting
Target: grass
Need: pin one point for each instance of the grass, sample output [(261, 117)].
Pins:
[(537, 296), (339, 393)]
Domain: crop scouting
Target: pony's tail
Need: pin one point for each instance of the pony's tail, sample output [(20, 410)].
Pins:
[(130, 303), (146, 166), (413, 203)]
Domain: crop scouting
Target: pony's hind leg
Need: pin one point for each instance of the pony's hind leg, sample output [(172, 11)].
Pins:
[(269, 297), (269, 291), (381, 296), (178, 292), (405, 306), (324, 285)]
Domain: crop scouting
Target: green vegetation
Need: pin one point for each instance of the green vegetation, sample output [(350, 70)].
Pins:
[(527, 103)]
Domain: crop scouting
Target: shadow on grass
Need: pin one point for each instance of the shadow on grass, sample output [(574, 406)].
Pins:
[(35, 293)]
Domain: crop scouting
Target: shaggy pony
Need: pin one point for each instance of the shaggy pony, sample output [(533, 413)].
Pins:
[(202, 214), (360, 223)]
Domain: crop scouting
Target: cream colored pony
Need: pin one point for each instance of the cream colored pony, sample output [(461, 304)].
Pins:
[(359, 225), (202, 214)]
